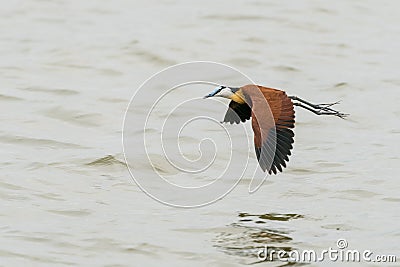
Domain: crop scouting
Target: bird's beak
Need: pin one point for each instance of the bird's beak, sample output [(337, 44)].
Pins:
[(207, 96)]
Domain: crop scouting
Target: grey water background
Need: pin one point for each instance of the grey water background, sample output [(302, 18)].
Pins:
[(69, 68)]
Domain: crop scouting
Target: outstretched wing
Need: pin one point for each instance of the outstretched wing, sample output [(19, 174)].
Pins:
[(268, 136), (237, 112)]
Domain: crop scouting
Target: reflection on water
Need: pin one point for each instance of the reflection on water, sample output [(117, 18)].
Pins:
[(253, 232), (270, 216)]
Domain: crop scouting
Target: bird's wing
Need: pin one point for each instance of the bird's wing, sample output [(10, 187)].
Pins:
[(271, 135), (237, 112)]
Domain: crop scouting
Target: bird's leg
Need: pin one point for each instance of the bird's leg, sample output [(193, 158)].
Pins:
[(325, 107), (322, 112), (321, 109)]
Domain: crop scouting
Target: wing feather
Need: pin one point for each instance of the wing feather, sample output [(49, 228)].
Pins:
[(237, 113), (271, 138)]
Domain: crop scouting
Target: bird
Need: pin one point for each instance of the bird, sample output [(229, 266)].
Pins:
[(273, 130)]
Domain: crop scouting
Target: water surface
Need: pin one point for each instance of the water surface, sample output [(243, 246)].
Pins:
[(68, 70)]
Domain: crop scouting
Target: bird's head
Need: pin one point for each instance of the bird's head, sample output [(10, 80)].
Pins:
[(222, 91), (232, 93)]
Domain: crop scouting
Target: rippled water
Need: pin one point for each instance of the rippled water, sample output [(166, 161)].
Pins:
[(68, 70)]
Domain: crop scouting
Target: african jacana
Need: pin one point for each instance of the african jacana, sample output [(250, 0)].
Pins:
[(246, 102)]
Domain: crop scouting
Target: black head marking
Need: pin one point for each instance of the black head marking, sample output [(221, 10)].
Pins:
[(234, 90)]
